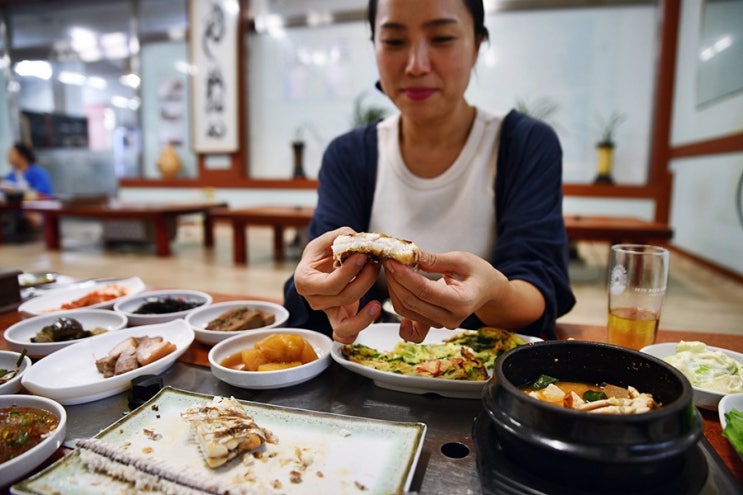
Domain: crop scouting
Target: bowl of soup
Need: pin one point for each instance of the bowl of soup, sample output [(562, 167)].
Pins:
[(33, 429), (638, 432)]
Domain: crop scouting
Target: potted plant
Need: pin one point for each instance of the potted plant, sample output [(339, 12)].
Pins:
[(605, 146), (543, 108), (365, 114)]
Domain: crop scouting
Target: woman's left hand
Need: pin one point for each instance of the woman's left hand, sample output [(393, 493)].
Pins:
[(467, 283)]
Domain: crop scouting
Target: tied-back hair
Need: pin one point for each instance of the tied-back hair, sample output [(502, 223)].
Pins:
[(475, 8), (25, 151)]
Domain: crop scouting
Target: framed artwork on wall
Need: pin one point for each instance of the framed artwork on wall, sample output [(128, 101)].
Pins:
[(214, 61)]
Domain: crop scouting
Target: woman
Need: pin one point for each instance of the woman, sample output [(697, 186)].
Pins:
[(28, 179), (480, 194), (26, 175)]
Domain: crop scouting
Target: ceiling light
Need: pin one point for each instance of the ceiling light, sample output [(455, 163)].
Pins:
[(72, 78), (96, 82), (34, 68), (131, 80)]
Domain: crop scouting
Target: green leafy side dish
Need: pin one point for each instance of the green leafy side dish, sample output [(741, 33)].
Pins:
[(734, 429)]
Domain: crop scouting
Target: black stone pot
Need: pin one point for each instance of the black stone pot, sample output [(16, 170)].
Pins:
[(611, 452)]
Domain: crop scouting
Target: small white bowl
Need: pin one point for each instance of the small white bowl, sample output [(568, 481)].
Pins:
[(704, 398), (200, 318), (259, 380), (19, 334), (9, 361), (727, 404), (131, 304), (21, 465)]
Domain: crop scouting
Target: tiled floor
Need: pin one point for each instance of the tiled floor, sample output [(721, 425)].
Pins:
[(697, 299)]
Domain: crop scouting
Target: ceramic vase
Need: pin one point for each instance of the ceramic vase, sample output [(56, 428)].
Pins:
[(169, 163), (604, 163)]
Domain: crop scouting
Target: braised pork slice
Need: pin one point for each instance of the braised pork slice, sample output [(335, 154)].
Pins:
[(150, 349), (131, 353)]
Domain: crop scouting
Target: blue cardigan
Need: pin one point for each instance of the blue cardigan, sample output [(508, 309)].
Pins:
[(531, 245)]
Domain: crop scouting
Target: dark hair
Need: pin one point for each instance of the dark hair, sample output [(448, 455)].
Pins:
[(25, 151), (474, 6)]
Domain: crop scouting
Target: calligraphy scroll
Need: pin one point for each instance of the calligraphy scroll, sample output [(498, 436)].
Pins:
[(214, 43)]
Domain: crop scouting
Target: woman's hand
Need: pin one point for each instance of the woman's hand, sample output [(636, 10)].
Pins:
[(468, 284), (337, 291)]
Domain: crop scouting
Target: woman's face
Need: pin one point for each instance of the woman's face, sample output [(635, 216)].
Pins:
[(425, 52), (14, 158)]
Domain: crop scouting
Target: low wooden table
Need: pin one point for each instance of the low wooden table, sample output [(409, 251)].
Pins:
[(157, 213), (449, 420), (616, 229), (277, 217)]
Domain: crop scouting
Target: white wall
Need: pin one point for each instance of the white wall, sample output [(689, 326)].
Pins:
[(589, 61), (703, 207)]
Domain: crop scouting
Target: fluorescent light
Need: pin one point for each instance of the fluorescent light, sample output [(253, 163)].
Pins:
[(34, 68), (72, 78), (97, 82), (131, 80), (718, 46), (184, 67), (83, 39), (115, 45), (120, 101)]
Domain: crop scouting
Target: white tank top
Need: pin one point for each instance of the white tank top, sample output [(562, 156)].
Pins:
[(454, 211)]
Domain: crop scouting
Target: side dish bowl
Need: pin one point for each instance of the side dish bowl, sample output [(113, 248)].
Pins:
[(584, 449), (269, 379), (19, 334), (9, 361), (22, 464), (704, 398), (130, 306), (727, 404), (201, 317)]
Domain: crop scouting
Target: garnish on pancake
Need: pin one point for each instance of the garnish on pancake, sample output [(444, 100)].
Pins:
[(465, 356)]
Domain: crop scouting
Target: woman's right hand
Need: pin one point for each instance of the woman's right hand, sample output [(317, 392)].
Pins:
[(338, 291)]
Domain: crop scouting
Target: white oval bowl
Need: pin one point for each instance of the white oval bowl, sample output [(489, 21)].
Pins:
[(19, 334), (70, 375), (8, 361), (200, 318), (21, 465), (704, 398), (259, 380), (129, 305), (51, 301)]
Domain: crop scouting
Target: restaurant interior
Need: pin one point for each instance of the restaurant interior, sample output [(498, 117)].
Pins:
[(117, 101)]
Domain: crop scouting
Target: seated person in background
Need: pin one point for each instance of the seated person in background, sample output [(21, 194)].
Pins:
[(479, 193), (28, 178)]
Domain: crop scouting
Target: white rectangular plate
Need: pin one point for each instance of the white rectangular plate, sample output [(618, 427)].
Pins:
[(349, 454)]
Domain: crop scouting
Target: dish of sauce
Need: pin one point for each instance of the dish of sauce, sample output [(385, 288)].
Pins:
[(22, 428)]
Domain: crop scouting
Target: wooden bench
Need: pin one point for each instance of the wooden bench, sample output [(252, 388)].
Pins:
[(277, 217), (616, 230), (159, 214), (579, 227)]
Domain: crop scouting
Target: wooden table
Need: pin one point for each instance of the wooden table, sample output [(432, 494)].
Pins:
[(160, 214), (616, 230), (338, 390), (276, 217)]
